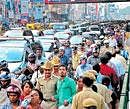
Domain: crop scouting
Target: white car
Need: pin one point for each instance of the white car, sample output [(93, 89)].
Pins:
[(62, 36), (13, 52), (94, 29)]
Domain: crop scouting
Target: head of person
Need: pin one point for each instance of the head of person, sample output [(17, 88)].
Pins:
[(80, 82), (93, 46), (96, 67), (74, 50), (83, 59), (88, 42), (61, 51), (117, 50), (82, 47), (109, 55), (62, 71), (89, 103), (120, 46), (36, 97), (55, 49), (55, 63), (67, 43), (39, 52), (88, 79), (41, 70), (27, 87), (5, 79), (104, 59), (106, 43), (96, 52), (47, 69), (106, 81), (13, 93), (3, 65), (32, 58)]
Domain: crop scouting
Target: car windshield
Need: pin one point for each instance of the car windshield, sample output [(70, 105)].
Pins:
[(59, 26), (13, 33), (95, 29), (11, 54), (76, 40), (49, 32), (61, 36)]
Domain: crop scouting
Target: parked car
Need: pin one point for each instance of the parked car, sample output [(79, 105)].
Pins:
[(94, 29), (62, 36), (13, 51), (48, 32), (76, 40)]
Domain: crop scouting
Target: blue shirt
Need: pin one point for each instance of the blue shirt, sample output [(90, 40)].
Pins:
[(99, 78), (120, 70), (7, 105), (64, 60), (68, 52), (124, 53), (81, 69)]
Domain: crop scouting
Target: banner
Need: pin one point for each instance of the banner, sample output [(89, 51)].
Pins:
[(38, 13), (37, 1), (24, 6), (80, 1)]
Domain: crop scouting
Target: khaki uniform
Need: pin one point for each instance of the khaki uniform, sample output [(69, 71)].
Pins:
[(48, 88), (104, 91), (87, 93), (75, 60)]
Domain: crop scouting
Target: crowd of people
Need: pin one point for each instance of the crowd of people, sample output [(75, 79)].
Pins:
[(88, 76)]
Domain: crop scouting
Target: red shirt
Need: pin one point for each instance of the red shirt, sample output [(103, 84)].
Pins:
[(106, 70)]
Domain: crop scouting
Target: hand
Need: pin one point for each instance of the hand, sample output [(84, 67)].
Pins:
[(53, 99), (66, 103)]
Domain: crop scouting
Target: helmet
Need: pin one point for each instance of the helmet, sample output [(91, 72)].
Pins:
[(13, 89), (5, 75), (31, 55), (3, 64)]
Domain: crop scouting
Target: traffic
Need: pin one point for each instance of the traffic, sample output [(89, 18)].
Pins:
[(64, 65)]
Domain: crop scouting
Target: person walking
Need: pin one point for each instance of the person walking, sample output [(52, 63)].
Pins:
[(66, 89), (87, 92)]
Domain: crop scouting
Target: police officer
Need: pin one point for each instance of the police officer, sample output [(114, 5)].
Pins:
[(88, 79), (46, 84)]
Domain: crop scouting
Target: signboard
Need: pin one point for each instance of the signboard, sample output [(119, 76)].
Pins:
[(80, 1), (38, 13), (37, 1), (24, 6), (24, 10)]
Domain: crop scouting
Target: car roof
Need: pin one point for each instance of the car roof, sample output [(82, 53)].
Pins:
[(12, 43)]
